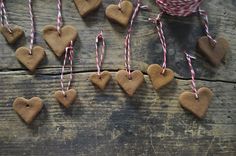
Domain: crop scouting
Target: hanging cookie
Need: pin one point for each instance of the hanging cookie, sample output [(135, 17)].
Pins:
[(197, 101), (27, 109), (32, 56), (67, 96), (100, 79), (130, 81), (160, 76), (59, 37), (10, 34), (120, 13), (213, 49), (87, 6)]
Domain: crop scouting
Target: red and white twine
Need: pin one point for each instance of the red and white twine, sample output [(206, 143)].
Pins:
[(69, 53), (158, 23), (185, 8), (59, 16), (3, 13), (99, 56), (32, 27), (128, 36), (193, 85)]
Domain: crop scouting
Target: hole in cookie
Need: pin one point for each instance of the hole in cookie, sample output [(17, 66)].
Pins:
[(27, 105)]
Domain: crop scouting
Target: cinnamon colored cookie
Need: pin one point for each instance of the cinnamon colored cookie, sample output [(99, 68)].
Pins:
[(27, 109), (122, 14), (11, 37), (58, 42), (132, 84), (198, 106), (87, 6), (101, 80), (31, 61), (67, 99), (215, 54)]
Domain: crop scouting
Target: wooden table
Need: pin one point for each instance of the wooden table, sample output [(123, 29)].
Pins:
[(110, 123)]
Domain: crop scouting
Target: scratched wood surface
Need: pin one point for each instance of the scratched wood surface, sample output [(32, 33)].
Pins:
[(109, 122)]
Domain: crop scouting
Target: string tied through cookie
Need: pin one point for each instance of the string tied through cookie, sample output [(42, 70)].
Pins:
[(128, 37), (99, 55), (69, 53), (3, 13), (159, 27), (193, 84)]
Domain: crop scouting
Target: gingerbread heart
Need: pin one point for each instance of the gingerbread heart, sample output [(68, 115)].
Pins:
[(157, 78), (67, 99), (215, 54), (129, 85), (197, 106), (101, 80), (58, 42), (11, 37), (30, 61), (27, 109), (120, 15), (87, 6)]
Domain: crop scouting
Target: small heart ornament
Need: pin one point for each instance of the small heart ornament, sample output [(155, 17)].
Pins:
[(129, 85), (198, 106), (215, 54), (58, 42), (11, 37), (101, 80), (86, 6), (120, 15), (157, 78), (27, 109), (67, 99), (31, 61)]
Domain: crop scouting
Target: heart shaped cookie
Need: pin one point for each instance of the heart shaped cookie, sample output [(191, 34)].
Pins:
[(197, 106), (129, 85), (120, 15), (12, 37), (102, 80), (157, 78), (30, 61), (87, 6), (58, 42), (27, 109), (215, 54), (67, 99)]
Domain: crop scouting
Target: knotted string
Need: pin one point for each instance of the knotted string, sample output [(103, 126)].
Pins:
[(160, 32), (128, 36), (59, 16), (99, 60), (3, 13), (70, 55), (193, 85)]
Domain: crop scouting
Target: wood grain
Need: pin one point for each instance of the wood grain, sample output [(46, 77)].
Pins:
[(109, 122)]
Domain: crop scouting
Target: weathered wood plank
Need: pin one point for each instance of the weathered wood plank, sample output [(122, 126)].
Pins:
[(180, 32), (108, 123)]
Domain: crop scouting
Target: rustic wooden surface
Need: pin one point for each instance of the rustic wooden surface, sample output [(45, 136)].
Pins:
[(109, 122)]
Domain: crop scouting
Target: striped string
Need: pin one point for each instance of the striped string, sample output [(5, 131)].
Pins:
[(4, 20), (193, 85), (99, 60), (32, 27), (59, 16), (159, 25), (128, 37), (205, 22), (70, 55), (185, 8)]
